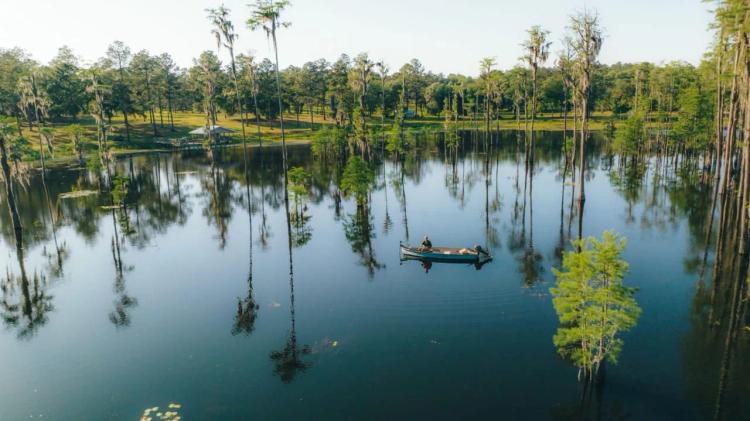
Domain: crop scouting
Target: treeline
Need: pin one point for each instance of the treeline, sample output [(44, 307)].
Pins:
[(153, 87)]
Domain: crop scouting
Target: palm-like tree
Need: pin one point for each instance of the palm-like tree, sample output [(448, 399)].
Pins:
[(486, 65), (537, 52), (266, 14), (226, 36), (248, 62)]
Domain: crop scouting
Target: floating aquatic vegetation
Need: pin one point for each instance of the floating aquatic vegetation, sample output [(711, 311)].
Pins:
[(324, 345), (154, 413), (77, 193)]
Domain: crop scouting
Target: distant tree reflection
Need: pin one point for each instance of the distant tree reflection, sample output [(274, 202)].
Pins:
[(25, 303)]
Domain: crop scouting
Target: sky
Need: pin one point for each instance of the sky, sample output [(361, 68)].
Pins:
[(447, 36)]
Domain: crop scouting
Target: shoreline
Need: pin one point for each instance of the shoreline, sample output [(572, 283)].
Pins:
[(270, 143)]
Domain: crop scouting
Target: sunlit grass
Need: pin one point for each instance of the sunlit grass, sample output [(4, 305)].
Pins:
[(296, 130)]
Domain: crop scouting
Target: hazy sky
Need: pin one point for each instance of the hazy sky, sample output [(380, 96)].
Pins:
[(446, 35)]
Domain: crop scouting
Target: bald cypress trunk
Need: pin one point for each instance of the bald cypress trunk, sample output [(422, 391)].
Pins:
[(9, 191), (745, 180), (584, 133), (731, 126)]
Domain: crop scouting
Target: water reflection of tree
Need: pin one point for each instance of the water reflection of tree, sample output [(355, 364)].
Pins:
[(628, 180), (247, 308), (152, 200), (288, 361), (28, 311), (398, 181), (492, 205), (82, 213), (123, 303), (357, 181), (218, 208), (591, 403), (150, 206), (359, 232), (300, 219), (718, 337), (387, 221), (529, 260), (562, 237), (516, 236)]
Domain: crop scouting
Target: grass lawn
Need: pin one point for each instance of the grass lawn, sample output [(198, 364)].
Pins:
[(142, 137)]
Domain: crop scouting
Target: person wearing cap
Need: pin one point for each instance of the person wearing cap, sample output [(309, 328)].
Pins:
[(426, 244)]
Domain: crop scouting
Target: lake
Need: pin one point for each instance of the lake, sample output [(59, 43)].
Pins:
[(188, 295)]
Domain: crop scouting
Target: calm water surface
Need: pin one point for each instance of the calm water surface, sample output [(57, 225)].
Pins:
[(185, 295)]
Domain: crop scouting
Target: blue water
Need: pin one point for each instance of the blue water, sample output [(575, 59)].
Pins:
[(376, 338)]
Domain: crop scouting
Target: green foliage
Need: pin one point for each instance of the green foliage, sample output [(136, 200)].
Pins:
[(12, 144), (357, 180), (329, 140), (298, 182), (76, 133), (358, 127), (396, 143), (552, 93), (64, 86), (18, 147), (629, 137), (694, 122), (14, 64), (139, 85), (21, 149), (570, 143), (120, 190), (451, 139), (94, 166), (592, 303)]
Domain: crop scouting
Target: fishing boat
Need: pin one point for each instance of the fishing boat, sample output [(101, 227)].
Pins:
[(474, 254)]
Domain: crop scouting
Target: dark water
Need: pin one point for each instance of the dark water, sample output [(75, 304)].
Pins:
[(185, 295)]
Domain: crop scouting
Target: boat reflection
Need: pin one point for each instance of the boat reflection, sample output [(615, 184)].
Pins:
[(428, 262)]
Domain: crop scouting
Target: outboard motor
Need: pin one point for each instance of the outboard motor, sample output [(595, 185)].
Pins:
[(480, 250)]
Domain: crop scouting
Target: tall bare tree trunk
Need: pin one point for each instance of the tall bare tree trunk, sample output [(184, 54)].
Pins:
[(239, 98), (533, 97), (584, 133), (745, 181), (9, 192), (731, 124)]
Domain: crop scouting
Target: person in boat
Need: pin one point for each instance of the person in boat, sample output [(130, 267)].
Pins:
[(426, 244)]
